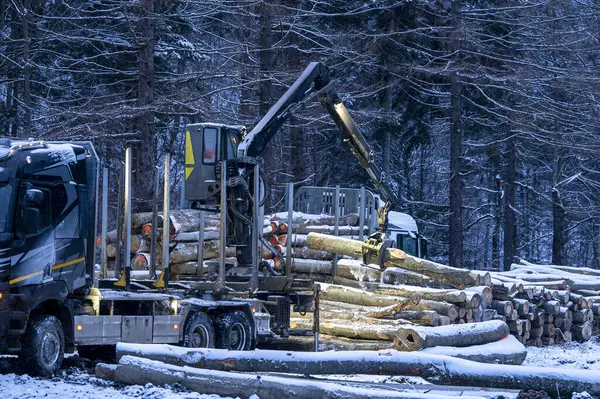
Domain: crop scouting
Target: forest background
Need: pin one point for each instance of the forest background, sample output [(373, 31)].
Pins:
[(485, 113)]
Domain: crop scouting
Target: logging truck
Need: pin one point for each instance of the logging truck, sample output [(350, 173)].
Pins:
[(50, 301)]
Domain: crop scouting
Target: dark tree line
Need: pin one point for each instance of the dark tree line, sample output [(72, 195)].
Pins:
[(484, 113)]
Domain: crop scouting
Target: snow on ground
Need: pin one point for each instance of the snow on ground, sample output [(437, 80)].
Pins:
[(76, 382), (585, 356)]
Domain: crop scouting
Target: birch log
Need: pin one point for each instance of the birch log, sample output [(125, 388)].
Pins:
[(435, 368), (393, 257)]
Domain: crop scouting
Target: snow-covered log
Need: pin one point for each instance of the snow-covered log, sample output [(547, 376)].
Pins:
[(136, 371), (393, 257), (460, 335), (438, 369), (508, 350)]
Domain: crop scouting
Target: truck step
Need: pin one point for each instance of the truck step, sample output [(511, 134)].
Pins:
[(13, 332), (18, 315)]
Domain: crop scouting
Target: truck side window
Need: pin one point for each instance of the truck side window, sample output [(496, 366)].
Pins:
[(209, 145), (65, 211)]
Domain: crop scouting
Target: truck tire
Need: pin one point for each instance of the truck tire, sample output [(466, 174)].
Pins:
[(105, 353), (234, 331), (199, 331), (43, 346)]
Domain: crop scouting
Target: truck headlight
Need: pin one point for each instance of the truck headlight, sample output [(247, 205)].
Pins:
[(175, 306)]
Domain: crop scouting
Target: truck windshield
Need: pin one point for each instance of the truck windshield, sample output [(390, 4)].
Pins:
[(5, 193)]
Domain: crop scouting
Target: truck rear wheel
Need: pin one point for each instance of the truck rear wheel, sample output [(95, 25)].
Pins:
[(234, 331), (43, 346), (199, 331)]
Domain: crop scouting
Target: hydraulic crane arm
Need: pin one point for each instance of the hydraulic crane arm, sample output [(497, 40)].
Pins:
[(316, 81)]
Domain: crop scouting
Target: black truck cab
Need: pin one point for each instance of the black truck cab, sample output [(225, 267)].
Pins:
[(47, 203)]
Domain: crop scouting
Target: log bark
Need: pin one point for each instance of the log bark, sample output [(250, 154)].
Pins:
[(396, 275), (351, 219), (307, 253), (352, 329), (393, 257), (485, 293), (338, 293), (137, 371), (508, 350), (326, 343), (434, 294), (435, 368), (411, 339), (356, 270), (184, 252), (582, 332), (347, 231)]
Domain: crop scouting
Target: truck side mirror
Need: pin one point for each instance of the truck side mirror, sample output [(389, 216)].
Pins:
[(34, 196), (30, 220)]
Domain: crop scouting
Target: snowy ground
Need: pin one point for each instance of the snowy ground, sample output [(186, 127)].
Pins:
[(76, 382)]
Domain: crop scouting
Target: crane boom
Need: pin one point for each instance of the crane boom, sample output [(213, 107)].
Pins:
[(316, 81)]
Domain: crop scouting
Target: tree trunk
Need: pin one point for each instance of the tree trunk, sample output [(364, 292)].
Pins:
[(144, 155), (455, 258), (510, 217), (559, 222)]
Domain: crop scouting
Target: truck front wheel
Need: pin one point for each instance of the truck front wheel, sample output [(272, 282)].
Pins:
[(43, 346)]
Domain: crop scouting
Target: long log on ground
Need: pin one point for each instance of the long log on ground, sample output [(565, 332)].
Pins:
[(394, 257), (508, 350), (505, 351), (138, 371), (417, 338), (435, 368)]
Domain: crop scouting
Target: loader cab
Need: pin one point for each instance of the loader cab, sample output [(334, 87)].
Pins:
[(206, 145), (403, 230)]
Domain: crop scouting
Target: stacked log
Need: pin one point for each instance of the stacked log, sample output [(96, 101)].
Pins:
[(539, 310), (183, 243)]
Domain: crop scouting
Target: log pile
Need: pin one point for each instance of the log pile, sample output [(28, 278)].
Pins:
[(183, 243), (538, 309)]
